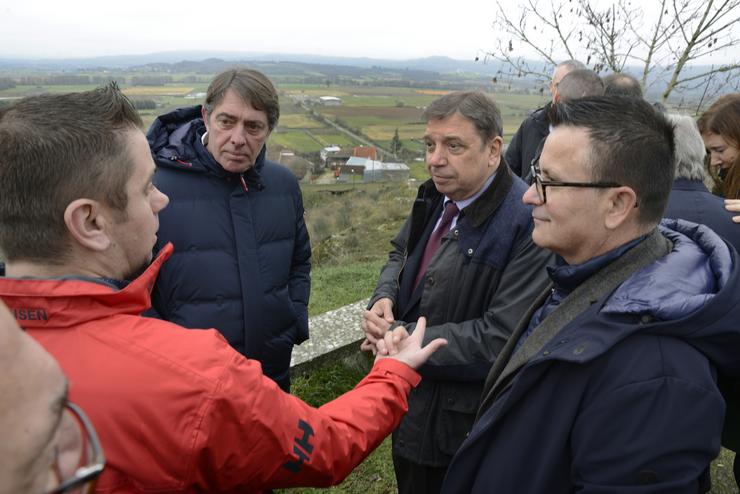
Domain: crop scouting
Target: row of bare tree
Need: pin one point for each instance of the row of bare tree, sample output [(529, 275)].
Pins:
[(660, 46)]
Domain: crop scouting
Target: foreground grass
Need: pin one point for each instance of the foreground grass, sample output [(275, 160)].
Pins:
[(723, 481), (335, 286)]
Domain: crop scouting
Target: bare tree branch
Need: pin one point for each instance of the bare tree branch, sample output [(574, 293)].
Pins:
[(621, 35)]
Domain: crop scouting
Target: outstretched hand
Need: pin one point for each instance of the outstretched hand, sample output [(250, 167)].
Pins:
[(397, 344)]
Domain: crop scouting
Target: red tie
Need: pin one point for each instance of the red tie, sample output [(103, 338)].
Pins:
[(435, 239)]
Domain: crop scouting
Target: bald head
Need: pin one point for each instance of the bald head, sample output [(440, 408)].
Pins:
[(560, 71), (579, 84), (622, 84), (33, 391)]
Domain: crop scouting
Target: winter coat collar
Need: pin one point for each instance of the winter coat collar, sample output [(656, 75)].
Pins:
[(71, 302), (567, 278), (176, 142)]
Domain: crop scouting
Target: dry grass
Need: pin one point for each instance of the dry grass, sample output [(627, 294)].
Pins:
[(157, 91)]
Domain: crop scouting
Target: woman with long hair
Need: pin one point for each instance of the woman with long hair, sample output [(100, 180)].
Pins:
[(720, 129)]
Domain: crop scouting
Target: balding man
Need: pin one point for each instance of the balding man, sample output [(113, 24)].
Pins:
[(465, 260), (575, 84), (620, 83), (535, 127)]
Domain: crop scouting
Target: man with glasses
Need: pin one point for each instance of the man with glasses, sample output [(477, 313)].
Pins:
[(48, 444), (238, 213), (608, 382), (176, 410)]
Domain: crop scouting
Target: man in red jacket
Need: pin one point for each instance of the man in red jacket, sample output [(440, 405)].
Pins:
[(176, 411)]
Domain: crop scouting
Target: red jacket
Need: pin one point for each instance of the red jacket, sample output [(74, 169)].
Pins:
[(181, 411)]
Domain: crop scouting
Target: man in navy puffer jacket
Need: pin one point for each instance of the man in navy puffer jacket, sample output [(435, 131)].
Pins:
[(608, 384), (242, 253)]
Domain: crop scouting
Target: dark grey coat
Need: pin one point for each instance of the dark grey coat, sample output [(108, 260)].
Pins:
[(477, 286)]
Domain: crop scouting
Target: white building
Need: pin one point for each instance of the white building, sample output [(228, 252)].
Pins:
[(330, 101)]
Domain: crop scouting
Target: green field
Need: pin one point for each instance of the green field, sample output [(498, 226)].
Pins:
[(299, 121), (374, 111), (296, 140)]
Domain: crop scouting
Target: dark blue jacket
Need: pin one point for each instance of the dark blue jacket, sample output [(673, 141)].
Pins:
[(242, 254), (623, 397), (526, 144), (690, 200)]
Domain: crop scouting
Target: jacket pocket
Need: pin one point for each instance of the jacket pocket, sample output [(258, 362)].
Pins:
[(457, 414)]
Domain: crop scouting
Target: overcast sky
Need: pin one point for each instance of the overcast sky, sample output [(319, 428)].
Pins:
[(395, 29), (377, 28)]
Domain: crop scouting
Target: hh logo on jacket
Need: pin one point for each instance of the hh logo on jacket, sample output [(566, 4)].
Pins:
[(302, 447)]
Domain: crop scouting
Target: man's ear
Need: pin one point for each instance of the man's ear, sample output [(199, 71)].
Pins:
[(494, 151), (622, 202), (87, 225), (204, 115)]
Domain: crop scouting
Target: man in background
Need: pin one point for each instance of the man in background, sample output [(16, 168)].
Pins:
[(622, 84), (577, 83), (690, 199), (242, 255), (535, 127)]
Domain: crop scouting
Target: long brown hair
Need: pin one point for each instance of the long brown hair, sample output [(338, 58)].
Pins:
[(723, 119)]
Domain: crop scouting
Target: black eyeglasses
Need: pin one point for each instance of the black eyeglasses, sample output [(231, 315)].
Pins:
[(79, 459), (542, 185)]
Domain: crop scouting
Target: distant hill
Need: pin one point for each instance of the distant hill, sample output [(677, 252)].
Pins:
[(452, 73), (433, 64)]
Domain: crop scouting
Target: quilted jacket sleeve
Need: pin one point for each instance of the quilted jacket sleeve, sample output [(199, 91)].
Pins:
[(300, 274)]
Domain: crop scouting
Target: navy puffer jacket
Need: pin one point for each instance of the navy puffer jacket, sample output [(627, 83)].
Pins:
[(242, 253), (623, 398)]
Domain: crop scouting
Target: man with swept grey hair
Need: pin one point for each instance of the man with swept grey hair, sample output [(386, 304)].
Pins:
[(690, 199), (523, 146), (238, 213)]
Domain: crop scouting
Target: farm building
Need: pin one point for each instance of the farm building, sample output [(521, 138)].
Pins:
[(369, 152), (372, 171), (330, 101), (378, 171), (328, 151)]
